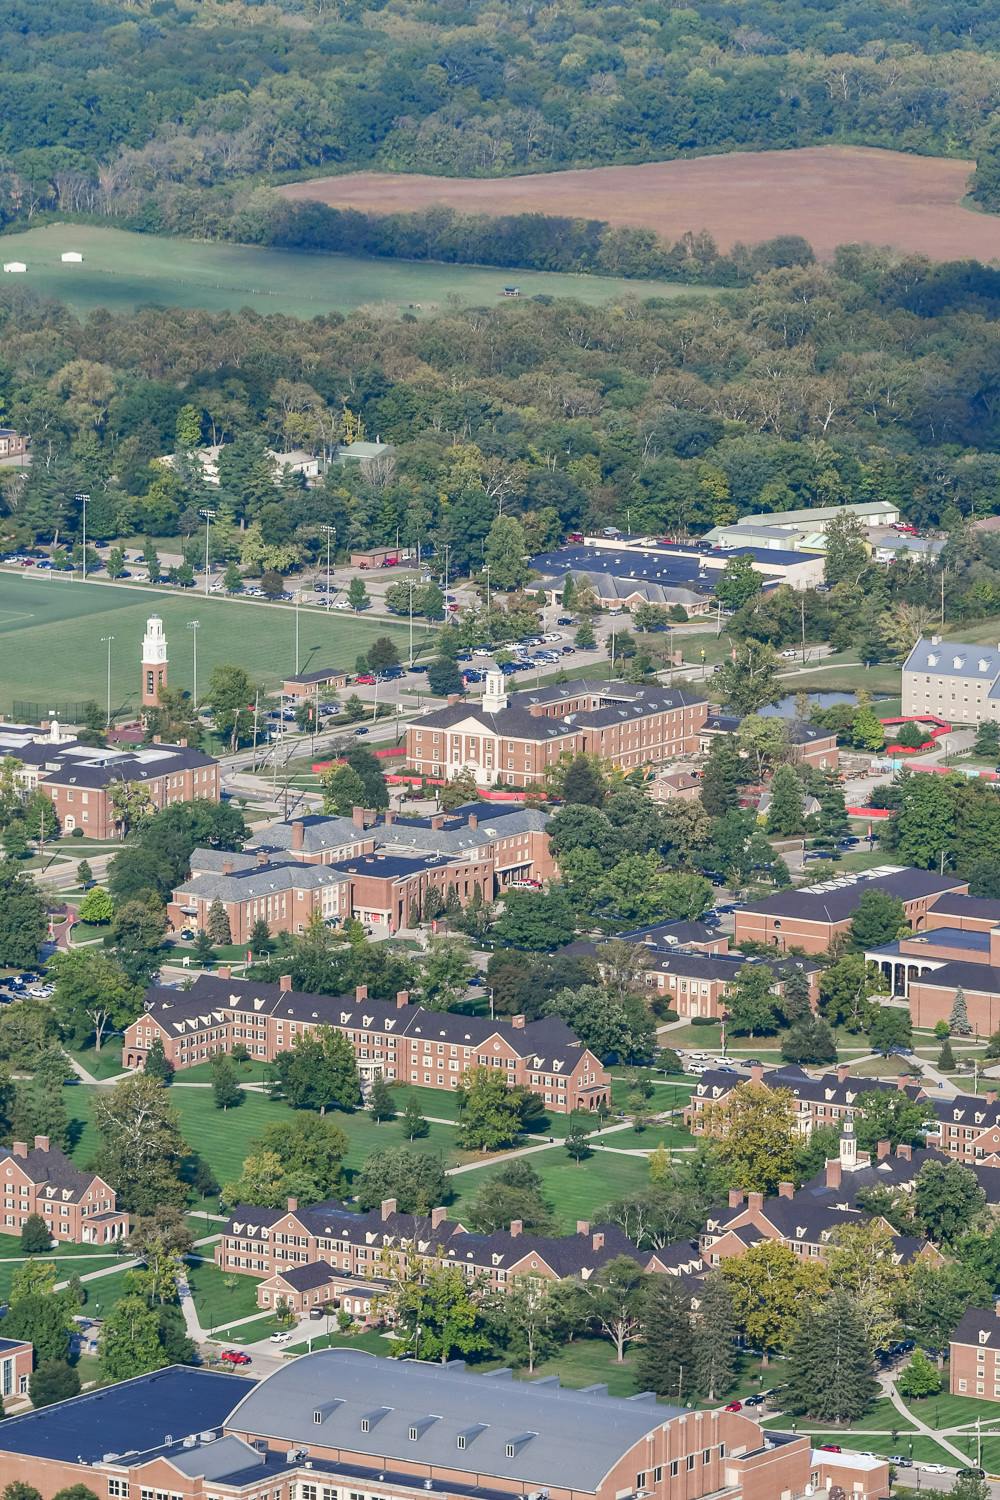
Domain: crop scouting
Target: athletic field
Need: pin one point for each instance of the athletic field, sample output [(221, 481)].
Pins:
[(52, 635), (122, 270)]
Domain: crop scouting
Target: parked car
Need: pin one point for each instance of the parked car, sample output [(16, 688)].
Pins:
[(362, 730), (734, 1406), (235, 1357), (367, 679), (753, 1401), (900, 1461), (281, 1338), (830, 1448), (315, 1313), (934, 1468), (971, 1472), (565, 620), (790, 654)]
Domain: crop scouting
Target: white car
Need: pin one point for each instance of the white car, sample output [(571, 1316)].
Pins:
[(933, 1468), (789, 655), (341, 604), (281, 1338)]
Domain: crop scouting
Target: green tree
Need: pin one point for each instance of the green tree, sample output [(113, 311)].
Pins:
[(748, 681), (489, 1113), (415, 1179), (585, 639), (920, 1377), (226, 1090), (311, 1146), (947, 1200), (232, 579), (320, 1072), (260, 937), (158, 1064), (381, 1103), (770, 1286), (23, 922), (513, 1192), (130, 1340), (53, 1380), (755, 1131), (666, 1356), (844, 990), (444, 677), (958, 1022), (44, 1320), (506, 552), (946, 1058), (537, 920), (750, 1001), (446, 973), (577, 1141), (830, 1363), (832, 822), (785, 813), (714, 1359), (738, 583), (414, 1124), (141, 1148), (436, 1314), (878, 918), (809, 1041), (528, 1314), (892, 1117), (889, 1028), (720, 781), (17, 1490), (343, 790), (583, 782), (36, 1236), (611, 1025), (923, 827), (847, 557), (987, 743), (615, 1301), (218, 924), (97, 906), (357, 594), (93, 995), (84, 874), (795, 1002), (231, 696)]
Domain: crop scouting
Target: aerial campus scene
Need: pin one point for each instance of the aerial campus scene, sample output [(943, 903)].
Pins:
[(499, 750)]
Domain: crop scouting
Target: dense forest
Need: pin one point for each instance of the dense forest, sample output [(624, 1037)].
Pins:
[(872, 378), (146, 108)]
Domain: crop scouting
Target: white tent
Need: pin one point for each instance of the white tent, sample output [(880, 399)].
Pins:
[(14, 265), (71, 255)]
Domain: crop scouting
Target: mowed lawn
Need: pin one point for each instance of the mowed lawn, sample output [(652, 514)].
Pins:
[(51, 631), (576, 1192), (122, 270)]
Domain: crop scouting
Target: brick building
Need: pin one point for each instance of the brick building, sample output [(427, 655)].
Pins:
[(398, 1040), (303, 686), (957, 949), (808, 744), (513, 738), (250, 888), (80, 779), (974, 1354), (812, 917), (830, 1099), (952, 680), (16, 1361), (341, 1424), (78, 1207)]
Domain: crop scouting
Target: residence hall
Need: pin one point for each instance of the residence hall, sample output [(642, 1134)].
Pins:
[(810, 918), (974, 1354), (79, 1208), (696, 981), (956, 949), (319, 1254), (340, 1424), (830, 1099), (514, 737), (80, 780), (399, 1040), (952, 680), (808, 744), (378, 870)]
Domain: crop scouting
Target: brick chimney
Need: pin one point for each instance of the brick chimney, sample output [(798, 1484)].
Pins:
[(292, 1204), (285, 983), (516, 1226), (157, 739), (183, 742), (402, 999), (298, 834), (438, 1216), (454, 698), (227, 867), (786, 1190), (41, 1143), (904, 1152), (224, 971), (473, 820), (517, 1022), (263, 859), (834, 1172), (387, 1208), (735, 1197), (583, 1226), (990, 1096), (882, 1150), (358, 817), (361, 992), (903, 1081), (19, 1148), (597, 1240), (756, 1073), (389, 817), (437, 820), (843, 1072), (755, 1201), (537, 711)]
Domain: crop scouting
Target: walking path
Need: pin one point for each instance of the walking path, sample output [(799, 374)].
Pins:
[(922, 1427)]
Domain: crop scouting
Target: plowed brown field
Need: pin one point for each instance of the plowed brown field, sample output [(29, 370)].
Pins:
[(832, 195)]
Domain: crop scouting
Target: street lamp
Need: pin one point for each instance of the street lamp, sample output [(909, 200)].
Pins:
[(297, 598), (331, 531), (106, 641), (486, 570), (193, 626), (209, 517), (83, 501), (412, 586)]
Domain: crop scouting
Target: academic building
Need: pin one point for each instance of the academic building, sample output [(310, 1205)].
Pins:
[(79, 1208), (341, 1424), (403, 1042)]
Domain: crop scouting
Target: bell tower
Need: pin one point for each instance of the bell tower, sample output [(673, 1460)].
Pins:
[(154, 662), (495, 695)]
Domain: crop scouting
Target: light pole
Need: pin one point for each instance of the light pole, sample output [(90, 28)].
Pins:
[(331, 531), (412, 585), (209, 516), (486, 570), (84, 501), (296, 632), (193, 626), (447, 557), (106, 641)]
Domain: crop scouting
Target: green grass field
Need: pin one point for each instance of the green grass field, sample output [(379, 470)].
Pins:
[(576, 1192), (51, 631), (122, 270)]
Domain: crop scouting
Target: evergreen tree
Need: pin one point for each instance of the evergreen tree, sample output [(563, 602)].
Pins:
[(715, 1360), (53, 1380), (784, 815), (84, 874), (988, 740), (832, 822), (218, 924), (809, 1041), (830, 1364), (414, 1124), (381, 1105), (204, 951), (36, 1237), (666, 1358), (576, 1142), (23, 923), (794, 1003), (158, 1064), (946, 1058), (720, 780), (260, 937), (226, 1090), (583, 782), (958, 1021)]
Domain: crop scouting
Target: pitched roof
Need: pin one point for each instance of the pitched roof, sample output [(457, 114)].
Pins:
[(951, 904), (979, 1326), (613, 702), (954, 659), (251, 881), (51, 1169), (838, 899)]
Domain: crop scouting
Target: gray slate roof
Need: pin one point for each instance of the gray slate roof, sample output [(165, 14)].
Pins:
[(616, 702), (253, 880), (954, 659), (567, 1439), (837, 900)]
